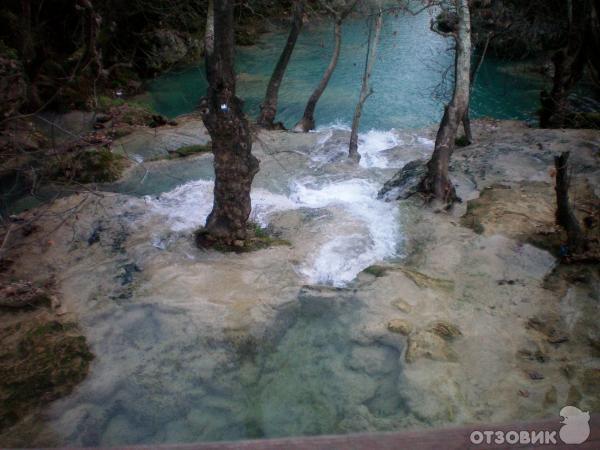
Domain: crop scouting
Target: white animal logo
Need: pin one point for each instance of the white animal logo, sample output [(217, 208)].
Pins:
[(576, 428)]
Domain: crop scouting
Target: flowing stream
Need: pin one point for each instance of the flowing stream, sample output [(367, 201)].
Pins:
[(181, 357), (196, 346)]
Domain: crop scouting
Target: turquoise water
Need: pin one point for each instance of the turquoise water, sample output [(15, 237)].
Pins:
[(412, 62)]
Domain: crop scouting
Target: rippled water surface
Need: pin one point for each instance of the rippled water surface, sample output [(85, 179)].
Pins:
[(412, 62)]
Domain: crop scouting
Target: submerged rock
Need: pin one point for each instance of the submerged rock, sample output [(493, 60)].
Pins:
[(400, 326), (372, 359), (425, 344), (425, 281), (402, 305), (445, 330), (549, 327)]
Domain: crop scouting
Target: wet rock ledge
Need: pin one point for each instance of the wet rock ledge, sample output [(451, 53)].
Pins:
[(43, 355)]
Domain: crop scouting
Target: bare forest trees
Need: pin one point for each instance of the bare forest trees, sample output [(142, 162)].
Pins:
[(339, 13), (268, 109), (436, 182), (235, 166), (570, 62), (366, 90)]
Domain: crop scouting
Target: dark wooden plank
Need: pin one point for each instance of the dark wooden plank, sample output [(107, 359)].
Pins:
[(445, 439)]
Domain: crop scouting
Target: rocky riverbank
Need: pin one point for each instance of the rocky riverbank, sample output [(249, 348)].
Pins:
[(377, 316)]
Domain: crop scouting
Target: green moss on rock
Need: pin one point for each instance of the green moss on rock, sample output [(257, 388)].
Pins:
[(89, 166), (41, 360), (258, 238)]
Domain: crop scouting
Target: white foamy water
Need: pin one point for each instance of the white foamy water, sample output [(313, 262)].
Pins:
[(346, 253), (365, 232), (372, 144), (380, 149), (188, 205)]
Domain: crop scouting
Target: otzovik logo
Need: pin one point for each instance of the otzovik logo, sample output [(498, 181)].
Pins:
[(575, 430), (576, 427)]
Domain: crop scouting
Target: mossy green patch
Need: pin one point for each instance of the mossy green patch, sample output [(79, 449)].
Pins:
[(41, 360), (88, 166), (258, 238), (7, 51), (126, 112)]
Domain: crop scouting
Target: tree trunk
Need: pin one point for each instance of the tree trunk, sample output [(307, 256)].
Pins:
[(366, 90), (235, 166), (569, 64), (564, 215), (209, 31), (92, 56), (473, 77), (307, 122), (27, 39), (594, 42), (437, 181), (467, 126), (268, 109)]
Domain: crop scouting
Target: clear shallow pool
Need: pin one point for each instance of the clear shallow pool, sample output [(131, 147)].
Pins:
[(315, 378), (411, 64)]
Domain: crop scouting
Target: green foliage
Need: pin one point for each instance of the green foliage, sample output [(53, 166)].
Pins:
[(105, 103), (258, 230), (128, 112), (7, 52), (53, 47), (88, 166)]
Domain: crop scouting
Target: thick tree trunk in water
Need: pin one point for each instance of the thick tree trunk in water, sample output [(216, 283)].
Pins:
[(564, 215), (366, 89), (307, 122), (235, 166), (437, 181), (569, 64), (268, 109)]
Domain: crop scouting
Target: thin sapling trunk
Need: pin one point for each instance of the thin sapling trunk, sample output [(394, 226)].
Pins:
[(268, 109), (366, 90)]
